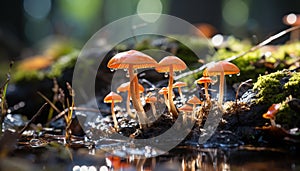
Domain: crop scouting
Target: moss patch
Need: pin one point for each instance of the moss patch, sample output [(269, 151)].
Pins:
[(280, 87)]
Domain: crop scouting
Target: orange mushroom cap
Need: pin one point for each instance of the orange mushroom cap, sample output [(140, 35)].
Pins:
[(112, 96), (151, 99), (194, 100), (164, 64), (135, 58), (222, 66), (204, 79), (179, 84), (186, 108), (125, 87), (163, 90), (272, 111)]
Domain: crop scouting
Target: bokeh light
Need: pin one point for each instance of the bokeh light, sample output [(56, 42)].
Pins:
[(146, 6), (37, 9), (235, 12)]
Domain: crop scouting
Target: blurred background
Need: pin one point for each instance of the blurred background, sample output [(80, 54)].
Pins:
[(25, 24)]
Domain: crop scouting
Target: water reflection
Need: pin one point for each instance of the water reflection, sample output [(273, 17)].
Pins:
[(196, 159)]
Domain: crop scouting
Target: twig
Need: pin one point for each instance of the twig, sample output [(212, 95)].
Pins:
[(263, 43), (50, 103), (32, 119), (247, 82)]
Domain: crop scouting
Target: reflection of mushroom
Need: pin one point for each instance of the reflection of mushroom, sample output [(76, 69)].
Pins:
[(221, 68), (194, 101), (272, 111), (171, 64), (113, 98), (125, 87), (292, 20), (164, 91), (131, 60), (151, 100), (205, 80), (178, 85), (185, 109)]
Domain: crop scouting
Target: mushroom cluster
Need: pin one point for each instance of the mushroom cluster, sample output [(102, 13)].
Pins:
[(221, 68), (132, 60)]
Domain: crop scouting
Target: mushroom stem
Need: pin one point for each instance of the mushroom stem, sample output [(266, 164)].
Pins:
[(116, 126), (135, 99), (180, 93), (153, 110), (206, 91), (128, 106), (173, 109), (193, 112), (166, 101), (221, 88), (273, 122)]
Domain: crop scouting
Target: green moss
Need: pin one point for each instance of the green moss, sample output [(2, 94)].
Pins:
[(269, 88), (55, 70), (64, 62), (293, 86), (287, 117), (279, 87)]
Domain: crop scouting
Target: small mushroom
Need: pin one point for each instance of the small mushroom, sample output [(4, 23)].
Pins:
[(113, 98), (178, 85), (131, 60), (125, 87), (151, 100), (272, 111), (205, 80), (185, 109), (171, 64), (221, 68), (194, 101), (164, 91)]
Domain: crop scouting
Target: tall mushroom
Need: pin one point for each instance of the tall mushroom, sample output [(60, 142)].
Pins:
[(171, 64), (205, 80), (131, 60), (178, 85), (126, 87), (113, 98), (221, 68)]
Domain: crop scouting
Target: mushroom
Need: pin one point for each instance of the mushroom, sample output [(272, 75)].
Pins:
[(205, 80), (113, 98), (125, 87), (178, 85), (221, 68), (151, 100), (171, 64), (185, 109), (164, 91), (272, 111), (131, 60), (292, 20), (194, 101)]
